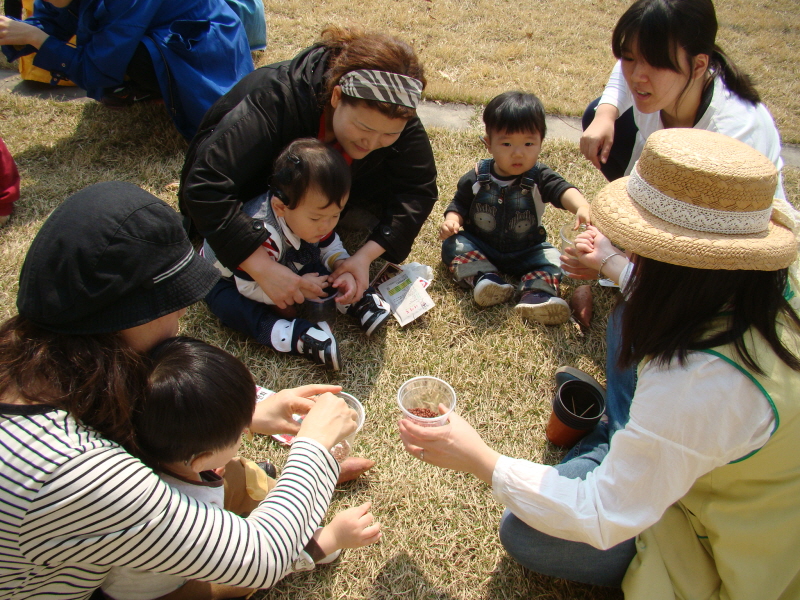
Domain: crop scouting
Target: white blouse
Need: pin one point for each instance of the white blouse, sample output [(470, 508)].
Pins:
[(685, 421)]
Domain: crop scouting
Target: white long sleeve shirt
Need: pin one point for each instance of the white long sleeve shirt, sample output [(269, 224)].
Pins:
[(685, 421)]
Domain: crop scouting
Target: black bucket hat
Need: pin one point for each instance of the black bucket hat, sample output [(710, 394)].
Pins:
[(110, 257)]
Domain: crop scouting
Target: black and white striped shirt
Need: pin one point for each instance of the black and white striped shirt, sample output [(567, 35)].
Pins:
[(72, 505)]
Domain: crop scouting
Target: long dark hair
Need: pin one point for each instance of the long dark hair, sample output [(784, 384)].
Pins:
[(352, 49), (660, 27), (671, 308), (93, 377)]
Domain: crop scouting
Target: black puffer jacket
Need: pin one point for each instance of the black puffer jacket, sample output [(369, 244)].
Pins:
[(230, 161)]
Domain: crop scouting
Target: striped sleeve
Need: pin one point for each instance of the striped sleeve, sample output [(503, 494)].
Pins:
[(105, 508)]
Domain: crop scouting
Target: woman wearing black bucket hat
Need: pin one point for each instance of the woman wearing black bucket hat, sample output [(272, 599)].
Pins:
[(697, 496), (105, 279)]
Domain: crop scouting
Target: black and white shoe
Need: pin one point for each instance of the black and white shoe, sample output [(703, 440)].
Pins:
[(371, 311), (318, 344)]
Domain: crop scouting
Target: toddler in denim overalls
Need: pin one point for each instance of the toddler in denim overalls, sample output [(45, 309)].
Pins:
[(500, 205)]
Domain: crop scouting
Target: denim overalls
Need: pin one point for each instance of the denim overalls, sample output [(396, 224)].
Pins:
[(502, 233)]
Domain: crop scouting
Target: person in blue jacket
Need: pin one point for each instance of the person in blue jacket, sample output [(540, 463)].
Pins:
[(189, 53)]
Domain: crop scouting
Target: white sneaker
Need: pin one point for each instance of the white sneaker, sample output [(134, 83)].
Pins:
[(318, 344), (371, 311)]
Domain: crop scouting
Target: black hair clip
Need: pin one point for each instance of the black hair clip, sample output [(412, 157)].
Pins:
[(290, 172)]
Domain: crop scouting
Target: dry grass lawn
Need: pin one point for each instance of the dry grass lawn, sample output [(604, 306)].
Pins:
[(440, 537), (440, 527)]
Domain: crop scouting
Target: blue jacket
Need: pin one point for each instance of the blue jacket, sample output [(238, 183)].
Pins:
[(199, 48)]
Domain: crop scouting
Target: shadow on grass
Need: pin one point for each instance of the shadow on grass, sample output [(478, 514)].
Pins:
[(509, 580), (65, 154), (401, 576)]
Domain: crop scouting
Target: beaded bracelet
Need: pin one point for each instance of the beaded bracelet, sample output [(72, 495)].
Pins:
[(603, 262)]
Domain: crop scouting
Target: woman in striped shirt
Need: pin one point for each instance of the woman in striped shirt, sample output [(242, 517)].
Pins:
[(105, 279)]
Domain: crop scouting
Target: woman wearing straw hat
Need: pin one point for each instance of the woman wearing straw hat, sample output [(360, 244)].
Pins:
[(106, 278), (697, 495)]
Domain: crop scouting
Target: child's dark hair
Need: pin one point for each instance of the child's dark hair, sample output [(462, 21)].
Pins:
[(660, 27), (515, 112), (197, 399), (309, 163)]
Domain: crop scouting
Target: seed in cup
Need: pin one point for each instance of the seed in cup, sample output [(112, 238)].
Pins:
[(419, 399), (425, 413)]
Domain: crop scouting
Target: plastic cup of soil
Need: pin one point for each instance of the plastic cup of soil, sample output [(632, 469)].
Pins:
[(419, 399), (342, 450), (320, 309), (577, 408)]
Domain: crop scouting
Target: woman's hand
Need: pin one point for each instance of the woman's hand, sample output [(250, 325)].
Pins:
[(358, 267), (320, 281), (594, 251), (598, 138), (346, 284), (574, 268), (454, 446), (280, 283), (17, 33), (329, 421), (274, 414), (592, 247), (351, 528)]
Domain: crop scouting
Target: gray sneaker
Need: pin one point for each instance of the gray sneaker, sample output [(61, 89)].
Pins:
[(490, 289), (543, 308)]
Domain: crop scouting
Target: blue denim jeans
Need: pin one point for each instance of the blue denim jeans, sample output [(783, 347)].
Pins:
[(577, 561), (242, 314), (476, 256)]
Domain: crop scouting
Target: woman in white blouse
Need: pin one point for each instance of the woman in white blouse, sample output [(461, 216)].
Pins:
[(698, 490), (671, 73)]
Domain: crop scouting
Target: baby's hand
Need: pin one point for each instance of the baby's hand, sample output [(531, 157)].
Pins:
[(583, 216), (320, 280), (346, 284), (448, 228), (351, 528)]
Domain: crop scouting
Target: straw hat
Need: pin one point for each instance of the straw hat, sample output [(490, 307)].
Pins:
[(697, 199)]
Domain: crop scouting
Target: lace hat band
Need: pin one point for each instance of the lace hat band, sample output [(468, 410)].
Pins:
[(699, 199)]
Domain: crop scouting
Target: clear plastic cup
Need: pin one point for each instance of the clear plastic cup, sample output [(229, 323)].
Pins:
[(426, 393), (342, 450), (567, 235)]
